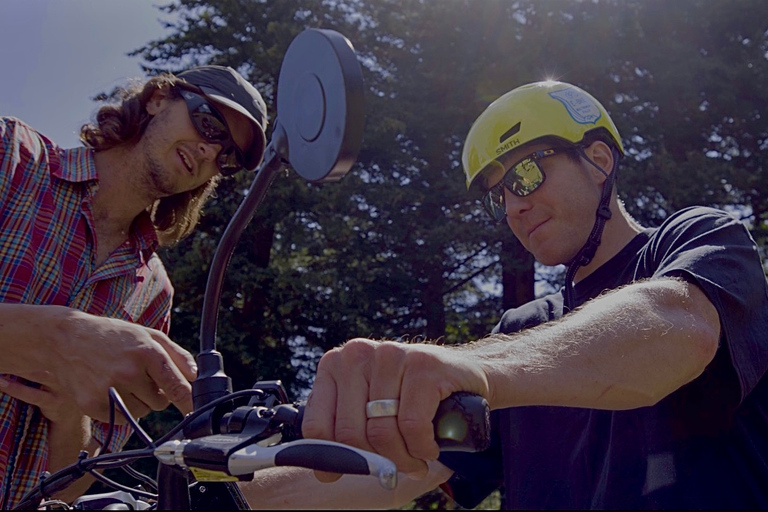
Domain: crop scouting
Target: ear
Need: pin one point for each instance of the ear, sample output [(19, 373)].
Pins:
[(600, 153), (157, 102)]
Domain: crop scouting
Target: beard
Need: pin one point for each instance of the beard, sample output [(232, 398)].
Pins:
[(156, 179)]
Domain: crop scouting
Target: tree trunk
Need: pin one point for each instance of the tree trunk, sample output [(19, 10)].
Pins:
[(517, 274)]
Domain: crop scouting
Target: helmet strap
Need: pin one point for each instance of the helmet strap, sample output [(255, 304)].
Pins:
[(602, 215)]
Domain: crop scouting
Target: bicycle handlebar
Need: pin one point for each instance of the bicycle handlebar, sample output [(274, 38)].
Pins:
[(267, 433), (461, 424)]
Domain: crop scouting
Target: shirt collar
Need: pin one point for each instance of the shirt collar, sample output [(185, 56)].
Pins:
[(76, 165)]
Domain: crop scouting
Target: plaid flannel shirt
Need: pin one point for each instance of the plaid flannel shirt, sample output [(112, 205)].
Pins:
[(48, 255)]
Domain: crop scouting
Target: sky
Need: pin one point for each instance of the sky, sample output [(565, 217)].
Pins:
[(58, 54)]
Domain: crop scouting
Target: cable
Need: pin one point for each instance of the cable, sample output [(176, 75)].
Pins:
[(114, 395), (65, 476), (111, 430), (120, 487), (149, 482), (192, 416)]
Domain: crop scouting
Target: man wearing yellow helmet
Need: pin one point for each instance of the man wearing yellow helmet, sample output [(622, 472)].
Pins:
[(564, 120), (640, 385)]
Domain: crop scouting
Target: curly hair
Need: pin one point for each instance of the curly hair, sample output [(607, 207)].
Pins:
[(125, 122)]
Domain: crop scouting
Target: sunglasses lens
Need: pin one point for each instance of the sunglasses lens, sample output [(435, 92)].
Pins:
[(524, 178), (213, 128), (209, 126), (521, 180), (493, 201)]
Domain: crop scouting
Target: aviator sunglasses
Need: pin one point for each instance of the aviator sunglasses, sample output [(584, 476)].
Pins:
[(212, 126), (522, 179)]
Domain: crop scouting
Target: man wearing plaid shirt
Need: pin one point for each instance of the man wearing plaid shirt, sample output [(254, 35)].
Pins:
[(84, 300)]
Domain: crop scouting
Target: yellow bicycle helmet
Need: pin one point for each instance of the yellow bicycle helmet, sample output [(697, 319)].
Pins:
[(527, 113)]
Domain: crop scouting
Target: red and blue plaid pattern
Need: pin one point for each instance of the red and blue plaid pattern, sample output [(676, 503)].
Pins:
[(47, 256)]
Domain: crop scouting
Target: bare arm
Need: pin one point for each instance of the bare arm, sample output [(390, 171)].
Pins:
[(628, 348), (297, 488)]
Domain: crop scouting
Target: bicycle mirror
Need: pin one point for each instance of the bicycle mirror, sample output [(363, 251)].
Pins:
[(320, 105)]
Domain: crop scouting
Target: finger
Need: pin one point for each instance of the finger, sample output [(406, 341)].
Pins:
[(419, 400), (137, 408), (352, 375), (181, 357), (383, 433), (39, 397), (167, 381), (320, 412)]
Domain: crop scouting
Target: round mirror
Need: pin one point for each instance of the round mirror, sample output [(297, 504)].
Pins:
[(320, 105)]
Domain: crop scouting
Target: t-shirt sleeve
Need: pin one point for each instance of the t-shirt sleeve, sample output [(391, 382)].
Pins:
[(715, 251)]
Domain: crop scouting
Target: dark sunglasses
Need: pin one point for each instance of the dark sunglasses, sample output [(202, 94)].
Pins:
[(212, 126), (522, 179)]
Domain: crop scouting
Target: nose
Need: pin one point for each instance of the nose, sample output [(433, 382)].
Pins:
[(515, 205), (208, 150)]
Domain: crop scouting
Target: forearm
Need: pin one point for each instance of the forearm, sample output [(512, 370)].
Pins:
[(24, 344), (625, 349), (65, 442), (297, 488)]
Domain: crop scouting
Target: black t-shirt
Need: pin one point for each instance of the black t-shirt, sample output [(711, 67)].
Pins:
[(703, 446)]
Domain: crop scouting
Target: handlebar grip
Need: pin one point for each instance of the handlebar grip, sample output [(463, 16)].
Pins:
[(314, 454), (462, 423)]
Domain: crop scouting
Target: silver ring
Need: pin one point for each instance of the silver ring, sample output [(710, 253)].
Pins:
[(382, 408)]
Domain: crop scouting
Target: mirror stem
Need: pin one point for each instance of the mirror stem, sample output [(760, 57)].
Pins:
[(211, 382)]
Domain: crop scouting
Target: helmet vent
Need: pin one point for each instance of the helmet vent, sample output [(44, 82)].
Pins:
[(509, 133)]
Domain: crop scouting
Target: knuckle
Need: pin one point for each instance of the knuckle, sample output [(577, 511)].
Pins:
[(420, 359), (330, 361), (388, 350), (355, 352), (357, 348), (179, 390)]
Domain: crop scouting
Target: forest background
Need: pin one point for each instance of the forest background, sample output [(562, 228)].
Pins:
[(398, 249)]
